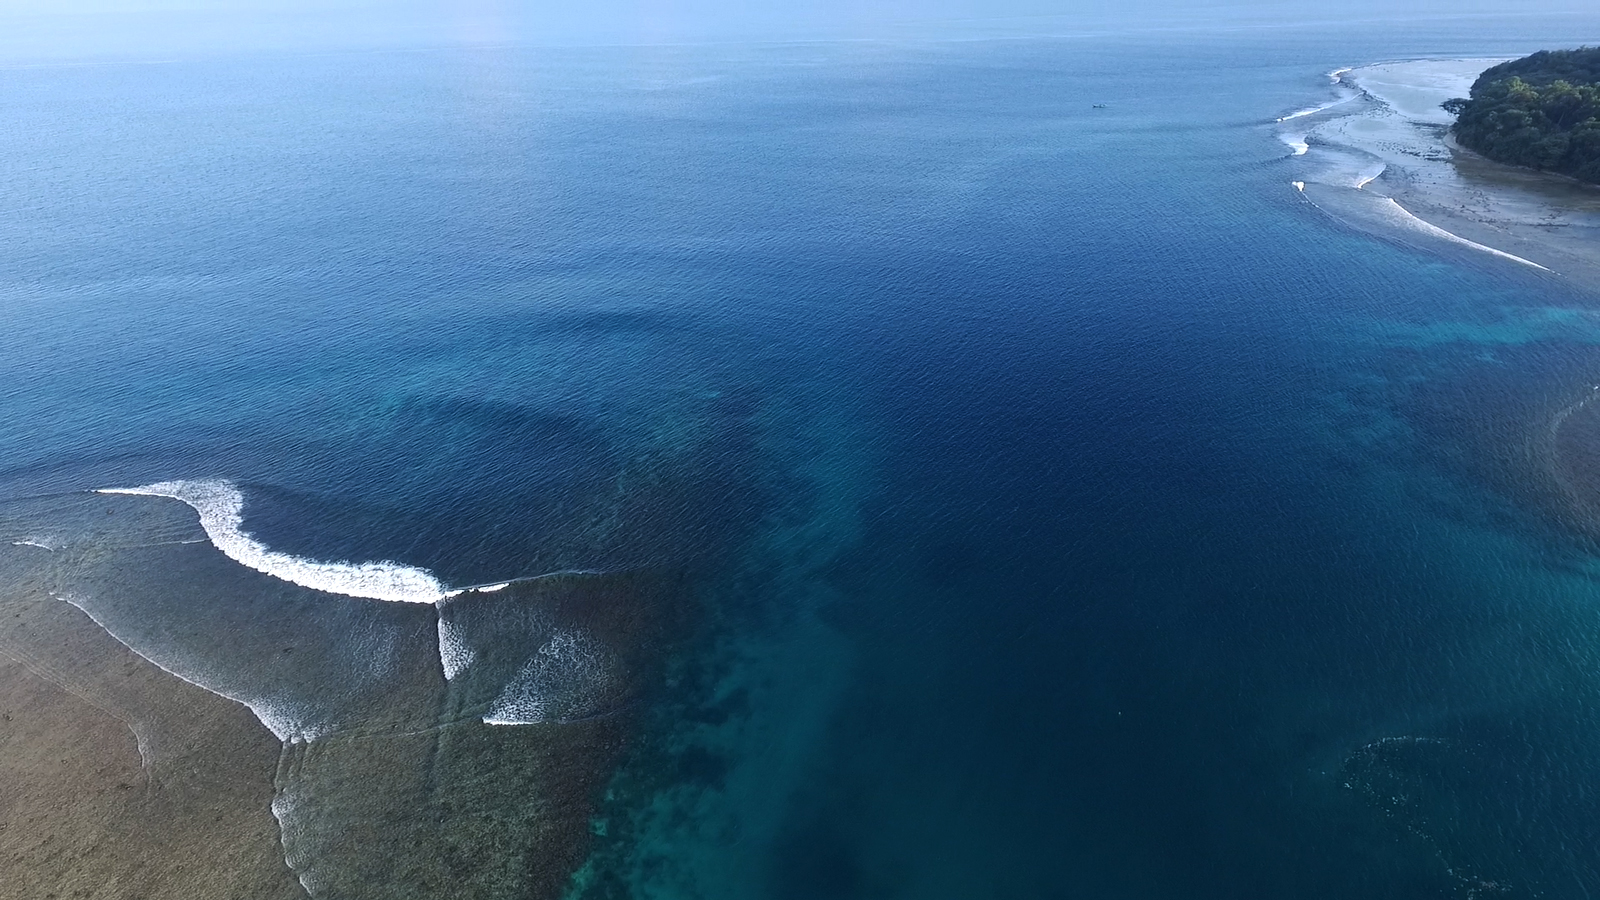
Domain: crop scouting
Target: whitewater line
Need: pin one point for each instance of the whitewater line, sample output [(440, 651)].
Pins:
[(1311, 111), (220, 506), (1436, 231), (493, 586)]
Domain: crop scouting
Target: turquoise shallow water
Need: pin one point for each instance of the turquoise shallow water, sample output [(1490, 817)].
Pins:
[(977, 493)]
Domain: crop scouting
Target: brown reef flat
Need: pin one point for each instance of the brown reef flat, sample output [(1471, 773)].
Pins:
[(118, 780)]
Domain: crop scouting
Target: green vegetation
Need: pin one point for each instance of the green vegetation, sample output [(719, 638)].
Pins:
[(1541, 111)]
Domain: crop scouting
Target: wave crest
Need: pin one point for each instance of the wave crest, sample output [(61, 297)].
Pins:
[(1405, 216), (220, 506)]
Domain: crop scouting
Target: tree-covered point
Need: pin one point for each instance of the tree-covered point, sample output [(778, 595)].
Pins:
[(1541, 111)]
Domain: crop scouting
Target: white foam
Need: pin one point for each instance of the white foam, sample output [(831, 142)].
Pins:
[(455, 654), (30, 542), (502, 585), (555, 681), (1296, 142), (284, 813), (1336, 75), (285, 723), (1368, 176), (1299, 186), (1313, 110), (1405, 216), (481, 588), (221, 505)]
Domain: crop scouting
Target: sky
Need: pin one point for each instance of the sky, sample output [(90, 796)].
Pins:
[(62, 29)]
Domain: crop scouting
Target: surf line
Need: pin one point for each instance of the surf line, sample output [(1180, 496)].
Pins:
[(1436, 231), (220, 506), (30, 542), (1554, 459), (1313, 110)]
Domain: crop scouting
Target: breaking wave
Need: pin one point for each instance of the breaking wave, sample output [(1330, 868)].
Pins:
[(220, 506), (33, 542), (556, 684), (1405, 216), (1313, 110), (287, 721)]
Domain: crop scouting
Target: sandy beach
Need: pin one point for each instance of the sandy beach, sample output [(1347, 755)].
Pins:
[(1384, 158)]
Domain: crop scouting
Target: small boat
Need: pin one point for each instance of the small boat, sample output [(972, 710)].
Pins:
[(1099, 106)]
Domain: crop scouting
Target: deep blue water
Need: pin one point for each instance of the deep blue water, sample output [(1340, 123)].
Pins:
[(1070, 510)]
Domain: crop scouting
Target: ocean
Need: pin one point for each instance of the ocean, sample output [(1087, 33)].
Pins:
[(862, 469)]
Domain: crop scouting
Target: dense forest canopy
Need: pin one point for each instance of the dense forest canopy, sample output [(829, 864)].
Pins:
[(1541, 111)]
